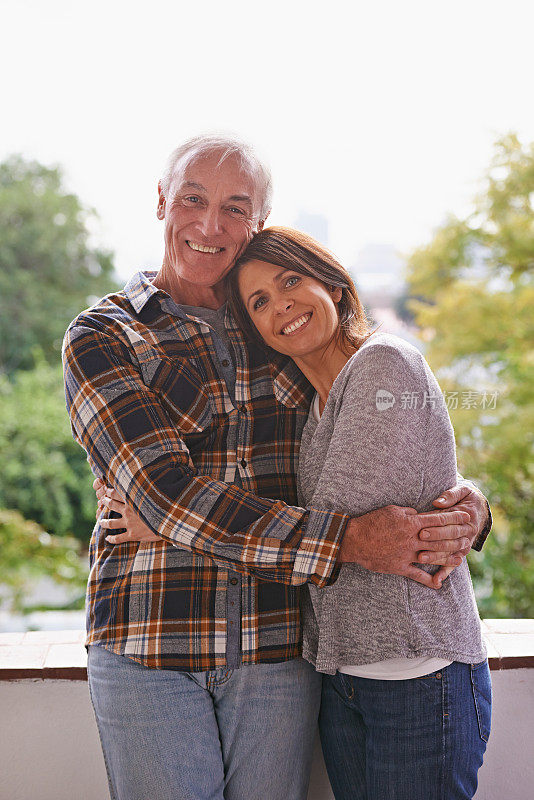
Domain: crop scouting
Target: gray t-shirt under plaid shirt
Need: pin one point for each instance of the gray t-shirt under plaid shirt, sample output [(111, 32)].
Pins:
[(384, 438)]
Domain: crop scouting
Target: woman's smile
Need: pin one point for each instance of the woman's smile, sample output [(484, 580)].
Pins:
[(297, 325)]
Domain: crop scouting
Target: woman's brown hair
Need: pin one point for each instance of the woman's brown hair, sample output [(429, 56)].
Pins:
[(294, 250)]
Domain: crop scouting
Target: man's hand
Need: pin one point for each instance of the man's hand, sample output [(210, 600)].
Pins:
[(388, 540), (111, 500)]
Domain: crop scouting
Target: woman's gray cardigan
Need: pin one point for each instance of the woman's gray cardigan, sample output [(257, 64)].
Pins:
[(384, 438)]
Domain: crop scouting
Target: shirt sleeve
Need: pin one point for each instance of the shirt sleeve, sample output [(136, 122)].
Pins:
[(131, 443)]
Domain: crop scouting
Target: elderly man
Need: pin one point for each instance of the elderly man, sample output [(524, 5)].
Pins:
[(194, 663)]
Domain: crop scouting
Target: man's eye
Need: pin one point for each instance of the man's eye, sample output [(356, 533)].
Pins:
[(260, 302), (236, 210), (192, 198)]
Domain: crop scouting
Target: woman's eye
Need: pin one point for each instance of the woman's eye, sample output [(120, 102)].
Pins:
[(292, 281), (260, 302)]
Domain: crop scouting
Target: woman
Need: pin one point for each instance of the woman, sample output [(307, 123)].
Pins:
[(406, 697)]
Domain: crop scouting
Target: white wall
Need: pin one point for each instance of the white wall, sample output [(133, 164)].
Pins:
[(49, 748), (508, 769)]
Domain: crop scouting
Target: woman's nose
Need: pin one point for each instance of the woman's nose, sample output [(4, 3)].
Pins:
[(284, 304)]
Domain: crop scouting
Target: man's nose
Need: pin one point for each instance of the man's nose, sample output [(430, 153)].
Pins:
[(210, 222)]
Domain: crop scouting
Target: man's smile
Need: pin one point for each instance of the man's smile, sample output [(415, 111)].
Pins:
[(202, 248)]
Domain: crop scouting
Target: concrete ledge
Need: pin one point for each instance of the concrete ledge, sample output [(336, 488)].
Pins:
[(510, 643), (61, 655), (43, 655)]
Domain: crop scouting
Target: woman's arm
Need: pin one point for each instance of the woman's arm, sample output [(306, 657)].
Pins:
[(384, 453)]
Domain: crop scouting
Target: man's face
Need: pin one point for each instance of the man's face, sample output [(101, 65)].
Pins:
[(210, 213)]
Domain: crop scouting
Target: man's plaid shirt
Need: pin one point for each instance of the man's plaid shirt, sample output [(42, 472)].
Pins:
[(147, 403)]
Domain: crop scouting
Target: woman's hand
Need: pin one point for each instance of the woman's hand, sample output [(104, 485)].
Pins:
[(111, 500), (439, 576), (462, 498)]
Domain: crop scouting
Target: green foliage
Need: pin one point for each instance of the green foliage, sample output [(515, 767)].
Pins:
[(44, 472), (476, 294), (28, 552), (48, 269)]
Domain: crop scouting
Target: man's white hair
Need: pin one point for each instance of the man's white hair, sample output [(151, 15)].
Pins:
[(207, 144)]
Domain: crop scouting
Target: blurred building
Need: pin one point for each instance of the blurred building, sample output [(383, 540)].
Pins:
[(378, 273), (315, 225), (379, 269)]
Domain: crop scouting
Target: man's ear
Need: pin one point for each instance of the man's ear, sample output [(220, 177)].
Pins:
[(160, 212), (261, 223)]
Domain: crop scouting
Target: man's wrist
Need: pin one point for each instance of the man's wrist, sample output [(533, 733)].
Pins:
[(349, 549), (483, 535)]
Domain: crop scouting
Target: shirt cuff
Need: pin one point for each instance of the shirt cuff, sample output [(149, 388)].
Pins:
[(483, 535), (316, 559)]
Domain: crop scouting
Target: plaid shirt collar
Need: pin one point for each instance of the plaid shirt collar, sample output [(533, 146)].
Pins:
[(140, 289)]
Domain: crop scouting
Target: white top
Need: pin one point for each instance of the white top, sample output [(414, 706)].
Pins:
[(392, 669)]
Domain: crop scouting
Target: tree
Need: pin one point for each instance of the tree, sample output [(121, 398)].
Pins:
[(44, 472), (48, 269), (28, 552), (475, 279)]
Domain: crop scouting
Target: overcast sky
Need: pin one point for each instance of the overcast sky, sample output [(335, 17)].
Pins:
[(381, 117)]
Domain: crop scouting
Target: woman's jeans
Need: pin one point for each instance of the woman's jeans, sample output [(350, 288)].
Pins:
[(418, 739), (244, 734)]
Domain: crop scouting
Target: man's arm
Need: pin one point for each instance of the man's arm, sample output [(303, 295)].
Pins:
[(368, 539), (132, 444)]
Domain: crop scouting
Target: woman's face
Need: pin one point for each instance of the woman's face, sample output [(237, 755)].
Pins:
[(294, 314)]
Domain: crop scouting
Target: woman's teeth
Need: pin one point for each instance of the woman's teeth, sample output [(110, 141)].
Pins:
[(297, 324), (203, 249)]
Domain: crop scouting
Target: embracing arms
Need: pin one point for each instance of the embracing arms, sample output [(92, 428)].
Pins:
[(133, 445), (369, 539)]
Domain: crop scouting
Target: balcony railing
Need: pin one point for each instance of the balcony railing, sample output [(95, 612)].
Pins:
[(50, 749)]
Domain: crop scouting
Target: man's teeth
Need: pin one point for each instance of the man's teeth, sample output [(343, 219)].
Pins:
[(297, 324), (203, 249)]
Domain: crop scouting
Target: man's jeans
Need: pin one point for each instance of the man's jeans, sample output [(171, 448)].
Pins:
[(245, 734), (419, 739)]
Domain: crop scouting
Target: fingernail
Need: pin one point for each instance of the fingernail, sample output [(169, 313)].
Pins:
[(109, 539), (424, 535), (440, 500), (424, 558), (439, 584)]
